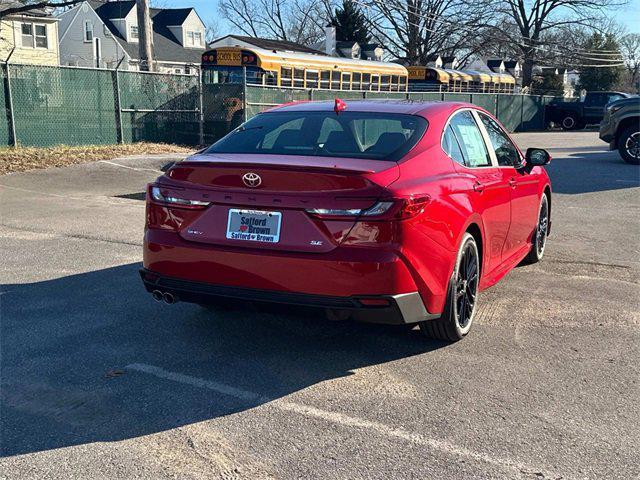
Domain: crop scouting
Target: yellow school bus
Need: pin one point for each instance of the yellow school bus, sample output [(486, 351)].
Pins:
[(423, 78), (300, 70)]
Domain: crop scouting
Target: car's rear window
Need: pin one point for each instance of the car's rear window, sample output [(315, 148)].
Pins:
[(369, 135)]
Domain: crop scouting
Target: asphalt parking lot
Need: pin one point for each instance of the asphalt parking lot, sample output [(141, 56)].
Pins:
[(100, 381)]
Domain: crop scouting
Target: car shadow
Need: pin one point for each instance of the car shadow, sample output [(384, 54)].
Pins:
[(66, 344), (591, 171)]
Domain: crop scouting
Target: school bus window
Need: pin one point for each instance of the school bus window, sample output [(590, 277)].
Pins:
[(312, 79), (346, 81), (375, 82), (355, 80), (335, 80), (395, 83), (287, 77), (271, 78), (384, 82), (325, 78), (366, 81), (298, 77)]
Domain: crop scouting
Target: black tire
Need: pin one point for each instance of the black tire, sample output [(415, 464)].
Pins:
[(462, 295), (539, 240), (570, 122), (629, 145)]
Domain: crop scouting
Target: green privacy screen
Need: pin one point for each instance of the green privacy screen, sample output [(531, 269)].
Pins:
[(54, 105), (79, 106)]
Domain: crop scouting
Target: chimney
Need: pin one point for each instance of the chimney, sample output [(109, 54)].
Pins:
[(330, 40)]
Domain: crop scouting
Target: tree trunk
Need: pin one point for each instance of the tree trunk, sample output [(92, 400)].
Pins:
[(145, 31), (527, 68)]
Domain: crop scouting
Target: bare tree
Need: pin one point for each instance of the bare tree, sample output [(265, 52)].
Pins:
[(14, 7), (294, 20), (630, 49), (212, 30), (535, 20), (413, 30)]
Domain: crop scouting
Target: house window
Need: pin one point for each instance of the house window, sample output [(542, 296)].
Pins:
[(41, 36), (88, 31), (134, 32), (34, 35), (194, 39), (187, 70), (27, 35)]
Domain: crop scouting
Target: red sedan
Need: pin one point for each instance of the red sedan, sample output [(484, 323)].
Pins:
[(392, 212)]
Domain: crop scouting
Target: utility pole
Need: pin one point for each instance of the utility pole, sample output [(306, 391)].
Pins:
[(145, 31)]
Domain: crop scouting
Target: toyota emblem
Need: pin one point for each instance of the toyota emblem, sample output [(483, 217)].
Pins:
[(251, 179)]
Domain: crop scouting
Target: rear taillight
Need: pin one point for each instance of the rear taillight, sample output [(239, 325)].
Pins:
[(170, 200), (392, 209)]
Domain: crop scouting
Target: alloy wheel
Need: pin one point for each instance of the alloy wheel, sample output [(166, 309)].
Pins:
[(543, 226), (632, 145), (466, 286)]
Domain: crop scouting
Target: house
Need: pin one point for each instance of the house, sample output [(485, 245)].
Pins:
[(347, 49), (265, 43), (29, 37), (105, 34)]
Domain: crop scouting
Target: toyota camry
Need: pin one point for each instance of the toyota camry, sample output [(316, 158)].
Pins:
[(385, 211)]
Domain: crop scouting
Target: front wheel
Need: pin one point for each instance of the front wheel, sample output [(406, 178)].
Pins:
[(539, 239), (629, 145), (462, 295)]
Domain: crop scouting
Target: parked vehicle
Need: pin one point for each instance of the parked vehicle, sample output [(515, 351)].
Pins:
[(576, 115), (620, 128), (393, 212)]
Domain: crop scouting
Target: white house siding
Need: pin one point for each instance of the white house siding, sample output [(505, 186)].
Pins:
[(75, 51), (192, 24)]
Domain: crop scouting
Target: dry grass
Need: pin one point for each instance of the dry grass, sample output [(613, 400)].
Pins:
[(31, 158)]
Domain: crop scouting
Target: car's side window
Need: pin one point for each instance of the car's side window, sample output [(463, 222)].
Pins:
[(470, 139), (506, 152), (451, 146)]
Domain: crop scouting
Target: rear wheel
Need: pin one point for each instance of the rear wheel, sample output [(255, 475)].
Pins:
[(539, 240), (462, 295), (570, 122), (629, 145)]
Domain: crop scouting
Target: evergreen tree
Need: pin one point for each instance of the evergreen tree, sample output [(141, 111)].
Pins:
[(547, 84), (600, 77), (350, 23)]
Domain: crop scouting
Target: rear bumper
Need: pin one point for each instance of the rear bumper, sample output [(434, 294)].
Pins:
[(389, 309)]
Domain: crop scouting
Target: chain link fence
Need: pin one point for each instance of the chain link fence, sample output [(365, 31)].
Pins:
[(47, 105), (51, 105), (516, 112)]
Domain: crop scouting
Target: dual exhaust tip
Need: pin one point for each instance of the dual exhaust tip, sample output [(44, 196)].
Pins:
[(165, 297)]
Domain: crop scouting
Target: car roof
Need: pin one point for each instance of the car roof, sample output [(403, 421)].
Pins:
[(411, 107)]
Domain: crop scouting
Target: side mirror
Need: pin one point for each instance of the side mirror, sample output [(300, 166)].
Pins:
[(537, 157)]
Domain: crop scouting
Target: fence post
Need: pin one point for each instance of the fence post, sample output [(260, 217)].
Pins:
[(118, 105), (9, 96), (201, 108), (244, 94)]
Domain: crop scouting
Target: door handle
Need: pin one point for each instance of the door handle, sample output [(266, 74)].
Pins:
[(512, 182), (478, 187)]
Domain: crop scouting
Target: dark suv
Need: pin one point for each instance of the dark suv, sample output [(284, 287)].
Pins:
[(620, 128)]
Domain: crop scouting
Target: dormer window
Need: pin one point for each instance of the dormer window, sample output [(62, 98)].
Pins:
[(194, 39), (133, 32)]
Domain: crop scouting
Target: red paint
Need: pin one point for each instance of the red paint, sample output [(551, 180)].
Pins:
[(410, 248)]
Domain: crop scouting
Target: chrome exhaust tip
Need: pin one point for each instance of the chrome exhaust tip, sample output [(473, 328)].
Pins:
[(157, 295), (168, 298)]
